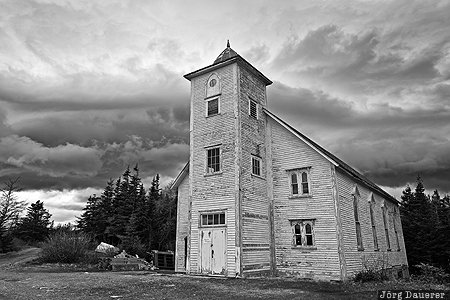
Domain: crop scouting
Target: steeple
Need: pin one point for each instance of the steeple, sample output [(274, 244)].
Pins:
[(226, 54)]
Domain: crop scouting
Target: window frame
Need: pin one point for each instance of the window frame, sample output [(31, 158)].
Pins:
[(212, 213), (302, 223), (300, 183), (207, 173), (207, 100), (250, 101), (258, 159), (355, 198), (372, 204), (385, 211), (394, 218)]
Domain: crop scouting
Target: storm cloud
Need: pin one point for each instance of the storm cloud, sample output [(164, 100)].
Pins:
[(88, 88)]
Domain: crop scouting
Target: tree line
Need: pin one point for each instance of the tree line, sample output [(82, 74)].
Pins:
[(34, 227), (426, 227), (129, 216)]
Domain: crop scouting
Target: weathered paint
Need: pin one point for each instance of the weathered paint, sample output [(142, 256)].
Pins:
[(258, 234)]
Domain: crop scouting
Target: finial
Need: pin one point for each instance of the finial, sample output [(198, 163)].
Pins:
[(228, 43)]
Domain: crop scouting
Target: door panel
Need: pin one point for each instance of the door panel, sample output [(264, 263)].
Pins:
[(218, 252), (213, 251)]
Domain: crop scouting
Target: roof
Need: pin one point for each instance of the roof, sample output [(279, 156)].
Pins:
[(184, 172), (227, 57), (332, 158), (226, 54), (329, 156)]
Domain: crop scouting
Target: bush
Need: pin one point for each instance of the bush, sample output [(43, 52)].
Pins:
[(431, 274), (66, 247), (374, 268), (370, 275)]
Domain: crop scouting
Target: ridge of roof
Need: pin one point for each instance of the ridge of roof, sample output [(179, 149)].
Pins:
[(338, 162)]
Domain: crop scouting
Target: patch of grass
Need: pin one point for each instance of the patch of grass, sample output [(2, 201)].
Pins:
[(66, 247)]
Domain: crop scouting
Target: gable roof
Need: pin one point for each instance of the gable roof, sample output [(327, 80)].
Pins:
[(184, 172), (332, 158)]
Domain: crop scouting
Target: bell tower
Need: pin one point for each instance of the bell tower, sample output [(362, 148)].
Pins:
[(229, 211)]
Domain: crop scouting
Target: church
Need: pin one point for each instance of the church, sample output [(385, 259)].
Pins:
[(258, 197)]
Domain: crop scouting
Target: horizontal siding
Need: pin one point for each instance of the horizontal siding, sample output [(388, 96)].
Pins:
[(289, 152), (356, 260), (182, 224), (254, 201), (216, 192)]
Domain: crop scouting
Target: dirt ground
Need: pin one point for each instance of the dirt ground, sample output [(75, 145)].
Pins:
[(20, 279)]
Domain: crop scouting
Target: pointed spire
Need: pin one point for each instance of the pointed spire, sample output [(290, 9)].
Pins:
[(228, 43)]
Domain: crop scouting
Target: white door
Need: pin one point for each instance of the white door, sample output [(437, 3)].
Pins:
[(213, 251)]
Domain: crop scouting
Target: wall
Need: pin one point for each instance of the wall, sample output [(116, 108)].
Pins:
[(254, 200), (354, 258), (289, 152), (219, 191), (182, 224)]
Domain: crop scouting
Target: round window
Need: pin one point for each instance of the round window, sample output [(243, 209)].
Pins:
[(212, 82)]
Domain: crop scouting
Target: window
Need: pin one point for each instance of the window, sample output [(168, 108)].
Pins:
[(294, 184), (213, 160), (394, 218), (212, 107), (299, 182), (212, 219), (303, 234), (386, 228), (256, 165), (357, 223), (253, 109), (372, 221)]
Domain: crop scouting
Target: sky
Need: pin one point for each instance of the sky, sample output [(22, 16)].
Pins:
[(90, 87)]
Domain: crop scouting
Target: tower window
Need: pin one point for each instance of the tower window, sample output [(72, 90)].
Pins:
[(212, 107), (253, 109), (256, 165), (213, 160)]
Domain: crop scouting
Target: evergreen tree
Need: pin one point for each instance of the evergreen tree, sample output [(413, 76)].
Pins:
[(36, 225), (420, 220)]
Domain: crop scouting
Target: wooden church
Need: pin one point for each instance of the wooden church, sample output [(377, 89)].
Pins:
[(259, 197)]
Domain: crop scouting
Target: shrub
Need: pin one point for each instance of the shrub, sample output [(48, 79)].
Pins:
[(431, 274), (66, 247), (370, 275), (374, 268)]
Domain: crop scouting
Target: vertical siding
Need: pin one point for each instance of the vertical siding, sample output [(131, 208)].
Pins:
[(213, 192), (254, 201), (355, 259), (182, 224), (289, 152)]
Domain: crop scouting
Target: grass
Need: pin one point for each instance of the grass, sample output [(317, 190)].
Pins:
[(70, 281)]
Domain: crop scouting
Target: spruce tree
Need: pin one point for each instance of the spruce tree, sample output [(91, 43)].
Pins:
[(36, 225)]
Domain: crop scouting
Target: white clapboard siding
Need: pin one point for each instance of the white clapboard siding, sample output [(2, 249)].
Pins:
[(289, 152), (354, 258)]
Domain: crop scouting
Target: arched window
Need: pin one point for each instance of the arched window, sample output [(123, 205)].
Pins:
[(386, 227), (297, 234), (294, 184), (359, 241), (372, 221), (213, 86), (303, 233)]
